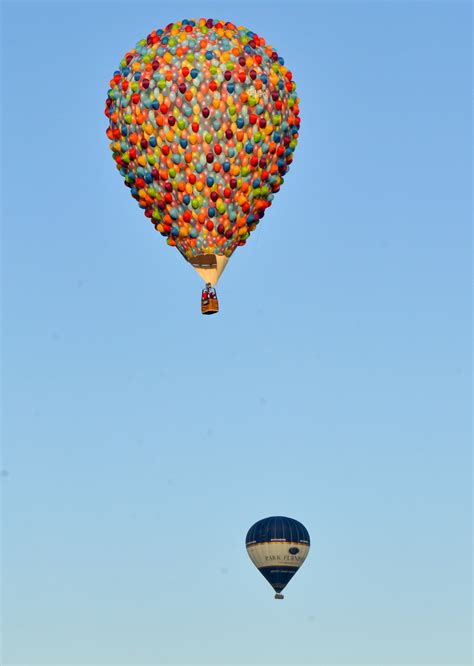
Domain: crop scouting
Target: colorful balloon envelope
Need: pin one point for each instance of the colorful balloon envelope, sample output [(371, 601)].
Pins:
[(278, 546), (203, 121)]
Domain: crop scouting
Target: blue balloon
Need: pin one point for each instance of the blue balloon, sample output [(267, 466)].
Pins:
[(278, 546)]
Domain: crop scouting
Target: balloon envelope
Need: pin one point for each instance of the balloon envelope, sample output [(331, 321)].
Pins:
[(203, 121), (278, 546)]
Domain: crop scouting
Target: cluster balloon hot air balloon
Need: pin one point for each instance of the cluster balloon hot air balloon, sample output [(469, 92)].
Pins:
[(203, 122), (278, 546)]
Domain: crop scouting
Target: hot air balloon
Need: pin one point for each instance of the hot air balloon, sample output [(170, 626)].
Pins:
[(203, 122), (278, 546)]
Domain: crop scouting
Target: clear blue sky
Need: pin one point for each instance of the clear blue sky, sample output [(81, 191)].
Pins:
[(141, 440)]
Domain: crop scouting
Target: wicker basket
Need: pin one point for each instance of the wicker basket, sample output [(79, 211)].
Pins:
[(210, 307)]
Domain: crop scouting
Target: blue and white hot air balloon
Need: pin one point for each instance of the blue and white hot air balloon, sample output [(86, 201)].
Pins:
[(278, 546)]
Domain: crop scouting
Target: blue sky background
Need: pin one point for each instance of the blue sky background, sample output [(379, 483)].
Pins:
[(141, 440)]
